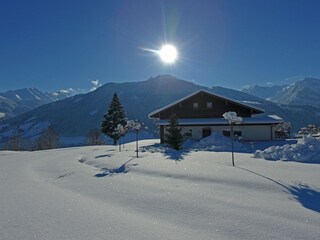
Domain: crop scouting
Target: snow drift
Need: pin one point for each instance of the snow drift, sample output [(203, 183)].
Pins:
[(218, 143), (306, 150)]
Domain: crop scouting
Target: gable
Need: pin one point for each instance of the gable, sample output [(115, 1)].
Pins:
[(203, 104)]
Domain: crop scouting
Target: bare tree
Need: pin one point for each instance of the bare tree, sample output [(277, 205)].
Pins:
[(15, 143), (232, 119), (94, 137), (136, 127), (48, 140), (282, 130)]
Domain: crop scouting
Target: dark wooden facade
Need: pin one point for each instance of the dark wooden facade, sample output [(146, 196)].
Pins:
[(204, 105)]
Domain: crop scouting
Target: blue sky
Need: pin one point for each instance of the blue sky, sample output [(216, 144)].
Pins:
[(60, 44)]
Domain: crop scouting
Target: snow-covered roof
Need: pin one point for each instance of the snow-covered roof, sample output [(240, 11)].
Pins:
[(270, 119), (259, 110)]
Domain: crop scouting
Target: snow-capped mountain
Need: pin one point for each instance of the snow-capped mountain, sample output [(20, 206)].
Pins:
[(303, 92), (77, 115), (16, 102), (263, 91), (65, 93)]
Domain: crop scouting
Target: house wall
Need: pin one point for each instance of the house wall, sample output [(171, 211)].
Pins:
[(249, 132), (185, 109), (259, 132)]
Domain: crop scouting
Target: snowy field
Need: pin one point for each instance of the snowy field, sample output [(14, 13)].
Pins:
[(99, 193)]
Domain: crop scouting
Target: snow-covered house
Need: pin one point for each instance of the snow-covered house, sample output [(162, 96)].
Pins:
[(200, 114)]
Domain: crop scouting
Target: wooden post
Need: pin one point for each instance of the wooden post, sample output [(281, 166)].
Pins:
[(232, 137), (137, 147)]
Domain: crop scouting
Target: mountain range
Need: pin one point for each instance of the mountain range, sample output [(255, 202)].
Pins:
[(75, 116), (302, 92), (17, 102)]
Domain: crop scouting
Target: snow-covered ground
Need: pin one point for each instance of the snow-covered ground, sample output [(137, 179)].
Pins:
[(99, 193)]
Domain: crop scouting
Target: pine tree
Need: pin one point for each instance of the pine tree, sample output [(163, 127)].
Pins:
[(174, 136), (113, 118)]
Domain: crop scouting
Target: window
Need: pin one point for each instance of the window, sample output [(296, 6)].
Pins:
[(188, 133), (227, 133), (206, 132), (237, 133), (209, 105), (195, 105)]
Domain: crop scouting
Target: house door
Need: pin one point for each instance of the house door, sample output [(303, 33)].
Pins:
[(206, 132)]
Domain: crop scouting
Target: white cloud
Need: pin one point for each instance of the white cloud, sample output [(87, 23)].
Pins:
[(95, 84)]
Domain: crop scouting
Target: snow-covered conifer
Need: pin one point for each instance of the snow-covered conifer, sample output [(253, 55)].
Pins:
[(174, 136), (113, 118)]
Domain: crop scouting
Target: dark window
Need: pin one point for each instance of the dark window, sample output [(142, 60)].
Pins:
[(209, 105), (238, 133), (227, 133), (206, 132), (188, 133)]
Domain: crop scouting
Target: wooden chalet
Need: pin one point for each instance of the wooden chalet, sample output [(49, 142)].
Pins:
[(200, 114)]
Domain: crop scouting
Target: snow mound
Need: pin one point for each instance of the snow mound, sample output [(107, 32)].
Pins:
[(306, 150), (215, 142), (219, 143)]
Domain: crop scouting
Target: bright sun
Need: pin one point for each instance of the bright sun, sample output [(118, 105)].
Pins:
[(168, 53)]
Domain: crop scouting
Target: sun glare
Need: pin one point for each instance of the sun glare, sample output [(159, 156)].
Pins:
[(168, 53)]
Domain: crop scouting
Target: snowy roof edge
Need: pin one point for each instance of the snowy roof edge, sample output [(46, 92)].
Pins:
[(270, 119)]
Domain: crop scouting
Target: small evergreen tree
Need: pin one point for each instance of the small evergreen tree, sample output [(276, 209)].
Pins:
[(174, 136), (113, 118)]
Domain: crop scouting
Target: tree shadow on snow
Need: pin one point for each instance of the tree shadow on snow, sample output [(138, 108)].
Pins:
[(176, 155), (307, 196), (104, 155), (124, 168)]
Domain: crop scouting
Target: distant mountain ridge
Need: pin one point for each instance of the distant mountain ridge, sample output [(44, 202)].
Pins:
[(77, 115), (263, 91), (302, 92), (19, 101)]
